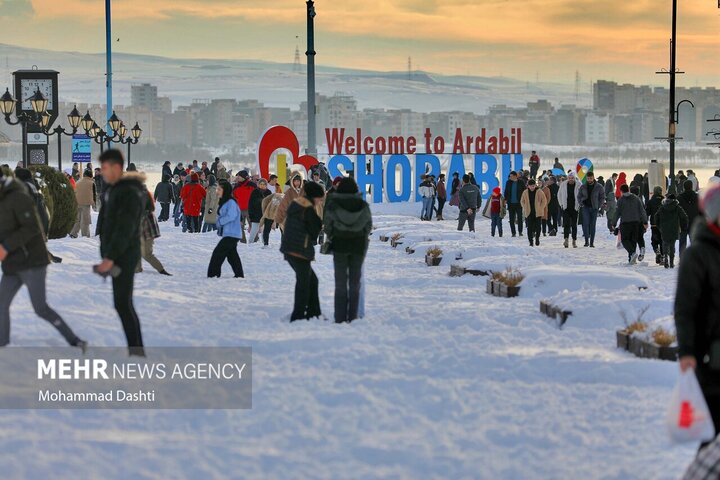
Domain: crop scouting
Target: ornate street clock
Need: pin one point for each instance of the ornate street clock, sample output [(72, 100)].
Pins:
[(27, 82)]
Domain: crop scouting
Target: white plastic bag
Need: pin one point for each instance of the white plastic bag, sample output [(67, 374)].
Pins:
[(619, 244), (688, 419)]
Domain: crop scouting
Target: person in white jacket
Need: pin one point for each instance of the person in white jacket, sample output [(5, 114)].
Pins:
[(427, 192), (567, 198)]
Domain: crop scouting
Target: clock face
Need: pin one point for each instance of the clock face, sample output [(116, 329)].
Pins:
[(28, 87)]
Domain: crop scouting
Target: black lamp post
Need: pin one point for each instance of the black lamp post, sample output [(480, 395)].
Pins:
[(7, 107), (74, 119)]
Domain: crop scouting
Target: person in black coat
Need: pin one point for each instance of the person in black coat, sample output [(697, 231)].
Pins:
[(651, 207), (514, 189), (348, 223), (165, 195), (697, 304), (302, 227), (255, 210), (166, 170), (24, 259), (178, 169), (119, 227), (688, 201)]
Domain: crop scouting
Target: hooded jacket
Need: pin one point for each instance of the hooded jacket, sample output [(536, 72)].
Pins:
[(697, 302), (688, 201), (630, 209), (670, 219), (255, 210), (211, 205), (119, 220), (270, 205), (302, 227), (20, 231), (192, 195), (652, 206), (290, 195), (621, 180), (165, 191), (348, 223)]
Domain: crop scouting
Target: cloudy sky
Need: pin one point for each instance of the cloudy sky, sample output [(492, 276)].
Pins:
[(624, 40)]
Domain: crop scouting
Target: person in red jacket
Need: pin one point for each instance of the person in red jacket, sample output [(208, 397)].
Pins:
[(621, 180), (534, 164), (192, 195), (441, 196), (243, 190)]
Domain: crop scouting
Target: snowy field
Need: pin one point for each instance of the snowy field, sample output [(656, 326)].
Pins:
[(440, 380)]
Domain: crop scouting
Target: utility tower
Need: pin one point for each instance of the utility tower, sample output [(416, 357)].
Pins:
[(577, 86), (410, 75), (297, 67)]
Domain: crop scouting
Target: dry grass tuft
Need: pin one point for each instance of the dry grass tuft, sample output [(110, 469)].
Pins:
[(662, 337), (434, 252)]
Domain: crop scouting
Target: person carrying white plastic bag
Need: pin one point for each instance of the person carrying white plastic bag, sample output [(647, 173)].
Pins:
[(688, 418)]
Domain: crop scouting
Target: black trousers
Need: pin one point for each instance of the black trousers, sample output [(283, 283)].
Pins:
[(193, 224), (552, 220), (123, 286), (307, 301), (656, 241), (515, 217), (164, 212), (440, 206), (226, 249), (570, 223), (533, 228), (348, 274), (470, 220), (629, 235), (267, 227)]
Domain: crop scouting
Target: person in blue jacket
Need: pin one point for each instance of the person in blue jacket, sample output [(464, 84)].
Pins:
[(230, 229)]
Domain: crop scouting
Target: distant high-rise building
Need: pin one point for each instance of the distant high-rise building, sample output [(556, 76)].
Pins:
[(144, 96)]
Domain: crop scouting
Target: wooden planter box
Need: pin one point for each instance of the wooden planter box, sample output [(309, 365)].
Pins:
[(644, 349), (395, 243), (499, 289), (555, 312), (457, 271), (409, 250), (384, 238), (432, 261)]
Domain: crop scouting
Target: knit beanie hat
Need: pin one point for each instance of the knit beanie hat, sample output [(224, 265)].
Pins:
[(710, 203), (496, 190)]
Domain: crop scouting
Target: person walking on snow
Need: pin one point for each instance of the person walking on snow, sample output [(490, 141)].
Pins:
[(534, 164), (470, 202), (441, 196), (591, 197), (688, 201), (652, 207), (670, 219), (534, 204), (302, 227), (86, 197), (567, 198), (347, 223), (270, 206), (149, 231), (633, 222), (697, 303), (165, 195), (24, 259), (427, 192), (513, 192), (192, 195), (255, 210), (497, 211), (211, 206), (119, 228), (230, 228)]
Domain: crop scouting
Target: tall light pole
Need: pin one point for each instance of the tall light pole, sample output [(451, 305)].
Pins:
[(311, 148), (108, 60)]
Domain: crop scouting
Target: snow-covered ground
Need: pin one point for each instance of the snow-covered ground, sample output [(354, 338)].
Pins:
[(440, 380)]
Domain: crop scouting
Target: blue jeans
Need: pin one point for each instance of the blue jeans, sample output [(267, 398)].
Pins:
[(209, 227), (589, 220), (496, 223), (427, 208)]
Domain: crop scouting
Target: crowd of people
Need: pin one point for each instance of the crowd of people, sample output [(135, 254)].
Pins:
[(552, 202), (238, 208)]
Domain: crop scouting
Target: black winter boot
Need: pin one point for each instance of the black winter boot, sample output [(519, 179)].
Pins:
[(666, 261), (672, 261)]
